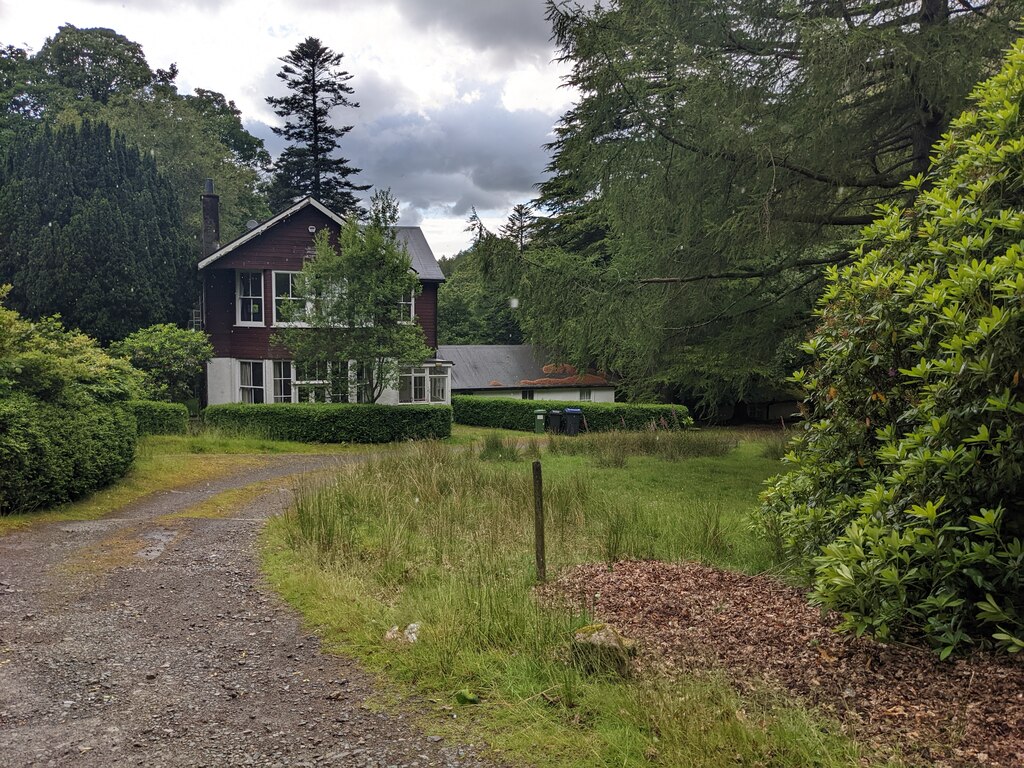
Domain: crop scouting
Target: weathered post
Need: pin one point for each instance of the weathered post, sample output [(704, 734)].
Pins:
[(538, 522)]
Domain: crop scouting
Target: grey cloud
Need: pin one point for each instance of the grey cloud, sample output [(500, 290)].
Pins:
[(454, 158), (453, 155)]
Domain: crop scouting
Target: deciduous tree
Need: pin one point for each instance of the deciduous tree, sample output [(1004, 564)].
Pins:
[(355, 305)]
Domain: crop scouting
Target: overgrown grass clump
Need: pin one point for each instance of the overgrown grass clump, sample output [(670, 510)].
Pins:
[(437, 537)]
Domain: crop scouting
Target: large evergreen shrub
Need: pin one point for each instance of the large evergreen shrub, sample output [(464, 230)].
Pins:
[(65, 426), (905, 495)]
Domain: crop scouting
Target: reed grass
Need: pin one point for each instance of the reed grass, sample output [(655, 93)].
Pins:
[(436, 536)]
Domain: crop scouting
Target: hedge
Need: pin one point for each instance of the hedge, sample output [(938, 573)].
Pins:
[(158, 418), (512, 413), (53, 453), (334, 422)]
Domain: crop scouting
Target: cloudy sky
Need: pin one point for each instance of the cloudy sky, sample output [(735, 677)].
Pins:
[(457, 96)]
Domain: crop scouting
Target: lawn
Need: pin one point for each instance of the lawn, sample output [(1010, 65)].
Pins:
[(164, 462), (436, 536)]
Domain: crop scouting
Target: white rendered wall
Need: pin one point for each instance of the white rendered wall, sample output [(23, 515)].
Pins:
[(220, 381), (606, 395)]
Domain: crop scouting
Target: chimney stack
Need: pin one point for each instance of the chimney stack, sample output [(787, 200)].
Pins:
[(211, 220)]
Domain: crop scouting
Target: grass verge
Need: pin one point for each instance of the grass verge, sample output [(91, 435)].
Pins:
[(440, 538), (164, 462)]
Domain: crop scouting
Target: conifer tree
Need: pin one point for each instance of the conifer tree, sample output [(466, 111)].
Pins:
[(89, 229), (308, 166)]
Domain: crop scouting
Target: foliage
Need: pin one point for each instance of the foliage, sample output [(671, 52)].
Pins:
[(308, 166), (910, 469), (471, 309), (101, 76), (334, 422), (354, 308), (153, 417), (192, 138), (90, 229), (172, 359), (725, 152), (511, 413), (91, 65), (64, 427)]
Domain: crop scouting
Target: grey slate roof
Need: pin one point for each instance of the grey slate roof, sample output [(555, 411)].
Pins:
[(423, 261), (510, 366)]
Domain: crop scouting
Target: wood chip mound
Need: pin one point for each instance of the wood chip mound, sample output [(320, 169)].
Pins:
[(689, 617)]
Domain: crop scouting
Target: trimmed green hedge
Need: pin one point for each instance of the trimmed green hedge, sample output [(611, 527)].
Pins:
[(158, 418), (53, 453), (334, 422), (512, 413)]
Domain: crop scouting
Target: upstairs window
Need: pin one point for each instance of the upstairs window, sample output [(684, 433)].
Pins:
[(288, 302), (407, 307), (249, 298)]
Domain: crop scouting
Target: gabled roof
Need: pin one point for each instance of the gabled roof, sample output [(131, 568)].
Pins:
[(423, 262), (511, 366)]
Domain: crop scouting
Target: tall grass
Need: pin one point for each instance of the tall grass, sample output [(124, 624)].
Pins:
[(438, 537), (612, 449)]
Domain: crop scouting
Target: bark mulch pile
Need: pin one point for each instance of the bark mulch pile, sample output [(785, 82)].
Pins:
[(689, 617)]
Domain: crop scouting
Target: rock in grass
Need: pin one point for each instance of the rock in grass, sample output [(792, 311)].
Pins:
[(601, 648)]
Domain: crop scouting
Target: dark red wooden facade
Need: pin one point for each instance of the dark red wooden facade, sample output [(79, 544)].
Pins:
[(283, 247)]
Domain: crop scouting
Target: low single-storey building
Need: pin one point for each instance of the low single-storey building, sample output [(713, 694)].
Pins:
[(522, 371)]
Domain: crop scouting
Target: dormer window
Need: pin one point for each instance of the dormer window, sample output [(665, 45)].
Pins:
[(249, 298)]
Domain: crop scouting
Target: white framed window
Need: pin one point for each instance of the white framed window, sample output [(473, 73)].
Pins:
[(408, 307), (283, 388), (423, 385), (322, 382), (527, 394), (287, 299), (250, 381), (585, 395), (249, 298)]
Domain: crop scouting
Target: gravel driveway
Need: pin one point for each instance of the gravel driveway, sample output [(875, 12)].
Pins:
[(145, 640)]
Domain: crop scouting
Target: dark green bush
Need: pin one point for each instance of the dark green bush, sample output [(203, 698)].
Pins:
[(905, 497), (154, 417), (512, 413), (56, 452), (334, 422)]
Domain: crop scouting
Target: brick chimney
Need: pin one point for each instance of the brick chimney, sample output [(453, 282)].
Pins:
[(211, 220)]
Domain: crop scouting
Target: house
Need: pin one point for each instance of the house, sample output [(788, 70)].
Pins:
[(247, 281), (520, 370)]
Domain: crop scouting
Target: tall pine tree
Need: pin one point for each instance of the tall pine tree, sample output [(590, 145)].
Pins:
[(91, 230), (308, 166)]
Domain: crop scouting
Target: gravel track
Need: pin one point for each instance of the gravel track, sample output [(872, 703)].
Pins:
[(140, 639)]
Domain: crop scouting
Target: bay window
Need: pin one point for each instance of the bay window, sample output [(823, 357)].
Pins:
[(423, 385)]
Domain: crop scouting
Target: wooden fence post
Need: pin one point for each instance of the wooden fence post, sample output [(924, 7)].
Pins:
[(538, 522)]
